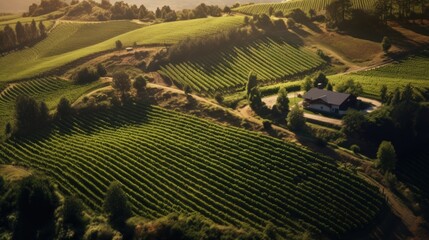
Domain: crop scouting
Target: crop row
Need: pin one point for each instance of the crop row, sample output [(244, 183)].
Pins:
[(229, 69), (172, 162), (304, 5)]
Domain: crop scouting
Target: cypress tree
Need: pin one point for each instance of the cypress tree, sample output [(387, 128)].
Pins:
[(20, 33), (34, 31), (10, 37), (42, 29)]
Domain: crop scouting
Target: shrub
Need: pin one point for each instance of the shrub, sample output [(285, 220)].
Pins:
[(219, 98), (121, 83), (118, 45), (298, 15), (295, 119), (267, 125), (140, 85), (87, 75), (280, 25), (290, 23), (187, 89), (64, 109), (116, 205), (101, 70), (386, 156), (279, 14), (355, 148), (386, 44)]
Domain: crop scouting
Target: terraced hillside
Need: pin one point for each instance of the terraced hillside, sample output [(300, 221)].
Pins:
[(304, 5), (45, 56), (413, 70), (48, 89), (171, 162), (229, 69)]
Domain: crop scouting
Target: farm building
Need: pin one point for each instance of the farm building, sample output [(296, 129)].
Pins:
[(328, 101)]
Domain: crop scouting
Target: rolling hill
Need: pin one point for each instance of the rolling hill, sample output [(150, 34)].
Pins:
[(169, 162), (55, 50)]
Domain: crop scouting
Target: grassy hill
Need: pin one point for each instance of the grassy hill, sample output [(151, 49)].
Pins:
[(171, 162), (44, 56), (413, 70), (11, 20), (229, 69), (49, 89), (304, 5)]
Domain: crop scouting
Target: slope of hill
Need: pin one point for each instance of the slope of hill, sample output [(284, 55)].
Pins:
[(172, 162), (22, 5), (228, 70), (413, 70), (47, 55), (49, 89), (305, 5)]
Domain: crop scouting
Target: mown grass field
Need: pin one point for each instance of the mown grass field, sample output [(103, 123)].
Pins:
[(171, 162), (304, 5), (228, 70), (48, 89), (45, 56), (413, 70)]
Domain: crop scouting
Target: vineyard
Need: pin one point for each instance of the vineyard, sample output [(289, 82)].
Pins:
[(58, 50), (48, 89), (271, 60), (304, 5), (413, 70), (413, 170), (170, 162)]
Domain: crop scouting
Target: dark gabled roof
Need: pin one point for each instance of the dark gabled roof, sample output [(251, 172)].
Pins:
[(333, 98)]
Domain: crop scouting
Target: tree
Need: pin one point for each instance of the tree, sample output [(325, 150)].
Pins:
[(295, 119), (140, 85), (27, 114), (44, 113), (252, 82), (386, 156), (8, 129), (396, 97), (101, 70), (42, 29), (20, 33), (86, 75), (353, 122), (255, 100), (312, 13), (321, 80), (329, 87), (72, 212), (407, 93), (116, 205), (35, 203), (270, 11), (121, 83), (118, 45), (383, 93), (34, 31), (282, 103), (386, 44), (227, 10), (351, 87), (307, 84), (64, 109)]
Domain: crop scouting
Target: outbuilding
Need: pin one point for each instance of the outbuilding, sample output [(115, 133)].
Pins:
[(328, 101)]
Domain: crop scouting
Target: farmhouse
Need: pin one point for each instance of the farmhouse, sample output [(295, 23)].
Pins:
[(328, 101)]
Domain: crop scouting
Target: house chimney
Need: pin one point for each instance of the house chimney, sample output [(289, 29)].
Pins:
[(319, 86)]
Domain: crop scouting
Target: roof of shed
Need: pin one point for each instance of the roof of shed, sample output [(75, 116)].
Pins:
[(334, 98)]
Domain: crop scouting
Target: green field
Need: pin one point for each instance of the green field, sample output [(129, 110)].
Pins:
[(171, 162), (229, 69), (39, 59), (48, 89), (304, 5), (413, 70), (11, 20)]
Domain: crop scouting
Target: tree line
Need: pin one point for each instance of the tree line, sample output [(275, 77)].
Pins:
[(23, 35)]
